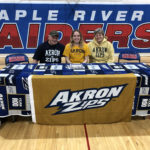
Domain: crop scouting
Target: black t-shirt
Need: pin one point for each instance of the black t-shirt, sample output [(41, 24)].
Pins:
[(47, 53)]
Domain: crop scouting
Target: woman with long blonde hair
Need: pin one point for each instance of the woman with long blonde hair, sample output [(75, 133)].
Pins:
[(77, 50)]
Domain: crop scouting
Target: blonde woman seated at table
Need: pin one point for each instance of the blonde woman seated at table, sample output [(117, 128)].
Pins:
[(77, 50), (102, 50)]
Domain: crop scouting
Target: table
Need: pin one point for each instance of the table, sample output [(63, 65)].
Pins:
[(14, 87)]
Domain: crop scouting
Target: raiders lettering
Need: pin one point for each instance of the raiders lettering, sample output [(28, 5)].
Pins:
[(14, 40)]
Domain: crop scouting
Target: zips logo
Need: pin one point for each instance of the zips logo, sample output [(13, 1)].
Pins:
[(72, 101)]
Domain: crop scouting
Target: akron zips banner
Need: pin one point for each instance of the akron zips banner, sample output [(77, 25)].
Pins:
[(23, 26), (81, 99)]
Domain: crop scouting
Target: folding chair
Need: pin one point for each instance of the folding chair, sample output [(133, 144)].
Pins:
[(16, 58), (129, 55)]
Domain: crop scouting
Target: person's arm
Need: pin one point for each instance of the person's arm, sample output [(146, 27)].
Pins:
[(35, 61), (90, 56), (86, 59), (87, 54), (63, 59), (111, 55), (37, 55), (67, 60), (66, 53)]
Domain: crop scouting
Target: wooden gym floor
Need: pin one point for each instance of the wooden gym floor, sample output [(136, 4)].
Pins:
[(25, 135)]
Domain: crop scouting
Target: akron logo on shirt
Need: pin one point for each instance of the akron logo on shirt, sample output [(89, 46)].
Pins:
[(72, 101)]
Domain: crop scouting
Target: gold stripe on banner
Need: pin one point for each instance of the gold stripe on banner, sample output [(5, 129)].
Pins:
[(80, 99)]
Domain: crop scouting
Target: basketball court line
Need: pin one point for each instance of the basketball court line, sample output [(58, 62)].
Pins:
[(87, 139)]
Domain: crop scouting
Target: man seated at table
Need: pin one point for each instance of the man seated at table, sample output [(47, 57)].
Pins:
[(102, 50), (50, 51)]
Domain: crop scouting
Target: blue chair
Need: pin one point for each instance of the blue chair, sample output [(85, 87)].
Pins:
[(16, 58), (129, 55)]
